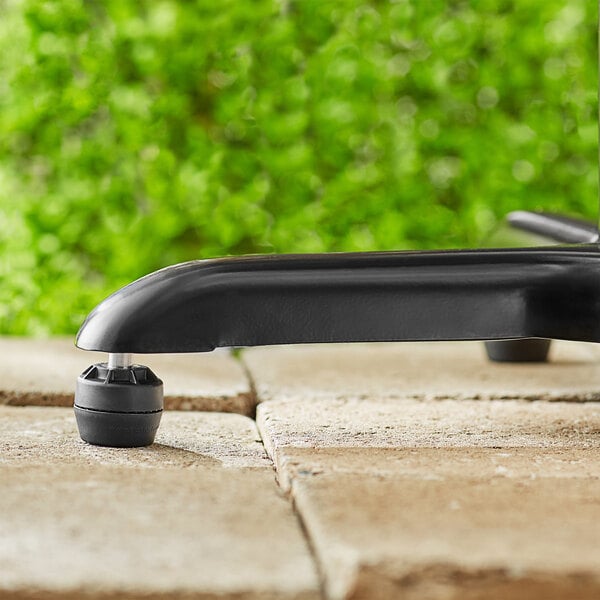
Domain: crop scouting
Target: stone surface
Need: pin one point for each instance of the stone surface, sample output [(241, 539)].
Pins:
[(445, 499), (198, 514), (43, 373), (314, 425), (417, 471), (421, 370)]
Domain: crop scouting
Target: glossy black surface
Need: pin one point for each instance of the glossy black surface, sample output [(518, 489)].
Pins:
[(554, 228), (528, 229), (549, 292)]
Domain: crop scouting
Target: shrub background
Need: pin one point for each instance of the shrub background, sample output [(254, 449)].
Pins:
[(135, 134)]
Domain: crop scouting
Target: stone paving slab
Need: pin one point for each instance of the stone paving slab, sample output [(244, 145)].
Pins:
[(198, 514), (443, 500), (421, 370), (316, 424), (43, 373)]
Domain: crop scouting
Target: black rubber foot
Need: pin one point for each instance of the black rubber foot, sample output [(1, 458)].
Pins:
[(118, 407), (525, 350)]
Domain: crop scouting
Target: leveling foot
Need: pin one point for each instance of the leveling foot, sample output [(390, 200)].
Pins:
[(118, 403), (523, 350)]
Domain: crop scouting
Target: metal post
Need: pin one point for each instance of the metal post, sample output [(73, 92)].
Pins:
[(119, 361)]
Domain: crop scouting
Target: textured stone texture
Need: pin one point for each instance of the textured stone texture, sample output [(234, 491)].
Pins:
[(432, 498), (198, 514), (311, 426), (486, 531), (421, 370), (43, 373), (419, 471)]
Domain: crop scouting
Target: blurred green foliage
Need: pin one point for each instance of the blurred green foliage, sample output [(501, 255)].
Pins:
[(135, 134)]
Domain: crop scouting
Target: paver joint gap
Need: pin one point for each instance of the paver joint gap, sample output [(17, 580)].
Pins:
[(289, 494), (238, 355)]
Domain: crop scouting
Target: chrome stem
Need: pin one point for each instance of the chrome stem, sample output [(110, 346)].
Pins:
[(119, 361)]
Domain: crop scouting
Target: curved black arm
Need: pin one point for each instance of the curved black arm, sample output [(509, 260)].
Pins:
[(528, 229), (549, 292), (523, 228)]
